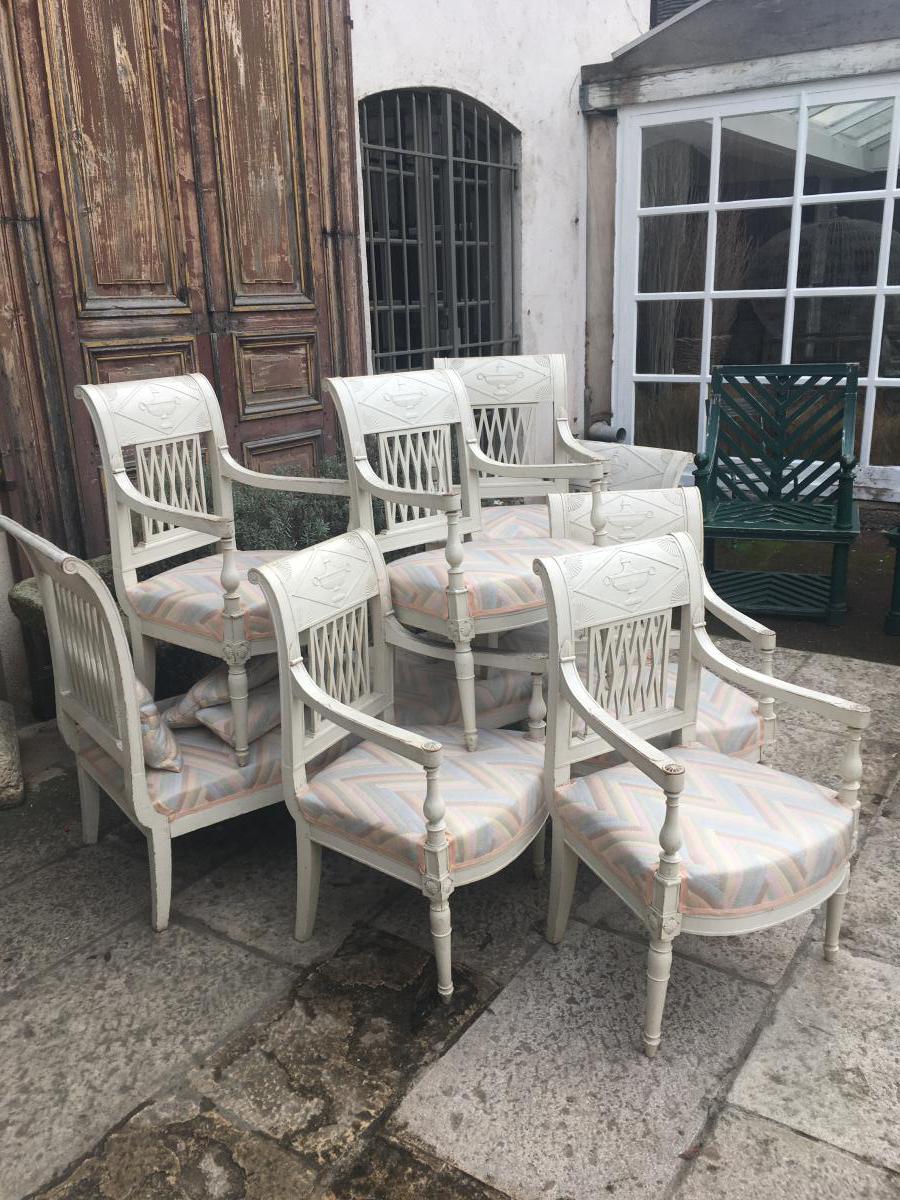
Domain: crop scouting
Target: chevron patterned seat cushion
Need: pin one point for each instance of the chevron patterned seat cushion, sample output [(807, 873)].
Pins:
[(373, 797), (426, 692), (506, 522), (498, 576), (753, 838), (209, 775), (189, 597)]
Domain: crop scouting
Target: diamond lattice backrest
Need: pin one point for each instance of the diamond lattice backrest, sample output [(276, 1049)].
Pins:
[(418, 422), (328, 603), (611, 615), (782, 430), (514, 399), (92, 669), (629, 516), (161, 433)]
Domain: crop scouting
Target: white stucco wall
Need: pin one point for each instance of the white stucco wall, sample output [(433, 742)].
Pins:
[(524, 60)]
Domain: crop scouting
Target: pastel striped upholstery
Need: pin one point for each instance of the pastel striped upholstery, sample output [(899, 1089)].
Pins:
[(506, 522), (753, 838), (728, 719), (157, 740), (263, 714), (209, 774), (373, 797), (498, 575), (212, 691), (189, 597), (425, 691)]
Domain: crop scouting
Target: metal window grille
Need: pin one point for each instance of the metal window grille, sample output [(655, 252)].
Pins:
[(440, 175)]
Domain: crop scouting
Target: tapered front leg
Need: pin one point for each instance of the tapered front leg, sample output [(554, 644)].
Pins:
[(437, 883), (441, 930), (143, 652), (659, 966), (539, 853), (464, 664), (834, 914), (461, 630), (239, 698), (235, 647)]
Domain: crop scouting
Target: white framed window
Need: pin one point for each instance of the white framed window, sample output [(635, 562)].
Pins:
[(761, 227)]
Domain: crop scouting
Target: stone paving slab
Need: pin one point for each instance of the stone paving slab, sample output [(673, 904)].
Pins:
[(65, 905), (747, 1158), (548, 1094), (762, 957), (828, 1064), (873, 683), (386, 1171), (871, 924), (251, 898), (342, 1050), (85, 1043)]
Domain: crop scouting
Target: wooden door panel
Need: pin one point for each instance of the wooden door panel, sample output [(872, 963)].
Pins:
[(115, 149), (276, 374), (118, 362)]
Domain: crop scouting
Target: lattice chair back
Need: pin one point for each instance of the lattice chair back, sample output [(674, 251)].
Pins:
[(328, 605), (417, 424), (160, 434), (780, 433), (612, 618), (629, 516), (92, 669), (516, 401)]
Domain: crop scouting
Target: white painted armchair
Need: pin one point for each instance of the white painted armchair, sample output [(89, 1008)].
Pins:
[(691, 840), (155, 437), (107, 719), (413, 803), (427, 468), (520, 406)]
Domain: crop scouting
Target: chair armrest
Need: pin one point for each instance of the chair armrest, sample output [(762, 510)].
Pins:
[(759, 636), (577, 450), (308, 485), (844, 712), (423, 751), (654, 763), (585, 472), (440, 501), (211, 523)]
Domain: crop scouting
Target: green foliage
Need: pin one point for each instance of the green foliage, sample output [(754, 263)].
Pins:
[(267, 520)]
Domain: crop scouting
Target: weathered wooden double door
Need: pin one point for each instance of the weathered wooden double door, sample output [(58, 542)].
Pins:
[(177, 193)]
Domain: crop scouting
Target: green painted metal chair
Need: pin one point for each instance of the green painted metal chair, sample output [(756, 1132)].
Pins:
[(778, 466)]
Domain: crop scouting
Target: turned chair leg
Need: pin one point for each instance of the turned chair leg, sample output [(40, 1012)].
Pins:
[(539, 853), (834, 913), (439, 919), (464, 662), (563, 872), (238, 695), (89, 793), (159, 844), (309, 872), (659, 966)]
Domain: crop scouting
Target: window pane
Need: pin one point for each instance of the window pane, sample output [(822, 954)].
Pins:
[(833, 329), (885, 450), (746, 331), (889, 366), (665, 414), (758, 153), (668, 337), (847, 146), (752, 248), (675, 163), (894, 258), (839, 244), (673, 253)]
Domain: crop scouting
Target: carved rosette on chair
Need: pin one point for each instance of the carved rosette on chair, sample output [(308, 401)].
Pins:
[(168, 475), (426, 464), (413, 803), (691, 840)]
